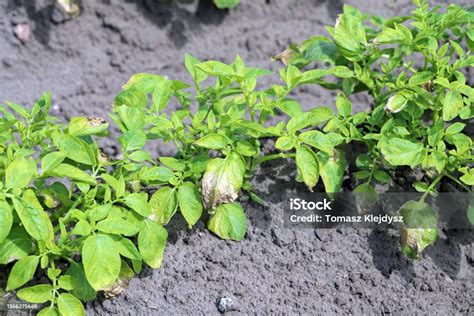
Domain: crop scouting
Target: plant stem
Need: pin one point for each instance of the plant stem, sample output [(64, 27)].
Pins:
[(459, 182), (432, 185)]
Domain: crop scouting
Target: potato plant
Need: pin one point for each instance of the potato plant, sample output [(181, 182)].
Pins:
[(414, 68), (87, 222)]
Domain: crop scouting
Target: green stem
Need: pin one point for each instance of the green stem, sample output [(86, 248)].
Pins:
[(432, 185), (462, 185)]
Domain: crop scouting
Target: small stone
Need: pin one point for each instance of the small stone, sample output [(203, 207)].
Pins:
[(225, 304), (22, 32)]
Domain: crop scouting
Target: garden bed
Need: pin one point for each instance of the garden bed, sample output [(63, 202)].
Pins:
[(84, 62)]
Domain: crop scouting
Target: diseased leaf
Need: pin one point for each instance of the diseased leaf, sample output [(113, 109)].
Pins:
[(222, 180)]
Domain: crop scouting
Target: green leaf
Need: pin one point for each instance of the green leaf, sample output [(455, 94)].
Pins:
[(453, 104), (197, 74), (318, 140), (16, 246), (22, 272), (455, 128), (69, 305), (139, 203), (468, 178), (309, 119), (132, 140), (381, 176), (308, 166), (155, 173), (127, 248), (163, 204), (35, 220), (226, 4), (462, 142), (349, 33), (222, 180), (284, 143), (143, 82), (49, 311), (399, 34), (76, 149), (101, 261), (6, 220), (132, 98), (161, 95), (343, 105), (65, 282), (470, 211), (52, 160), (400, 152), (190, 203), (212, 141), (132, 117), (117, 226), (19, 173), (320, 49), (420, 78), (228, 222), (152, 243), (81, 287), (173, 163), (331, 169), (396, 103), (67, 171), (36, 294)]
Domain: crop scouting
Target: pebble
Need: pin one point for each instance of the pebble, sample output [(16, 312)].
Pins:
[(22, 32), (225, 304)]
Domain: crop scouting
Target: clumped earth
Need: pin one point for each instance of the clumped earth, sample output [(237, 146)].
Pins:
[(84, 62)]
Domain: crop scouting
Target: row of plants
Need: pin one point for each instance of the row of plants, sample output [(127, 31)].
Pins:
[(82, 222)]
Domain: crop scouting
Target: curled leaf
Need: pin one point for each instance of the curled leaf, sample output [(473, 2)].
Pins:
[(222, 180), (396, 103), (419, 229)]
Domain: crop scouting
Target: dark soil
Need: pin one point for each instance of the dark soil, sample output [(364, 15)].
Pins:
[(84, 62)]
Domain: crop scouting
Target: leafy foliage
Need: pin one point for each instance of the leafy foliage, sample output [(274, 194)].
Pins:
[(90, 221), (414, 67)]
